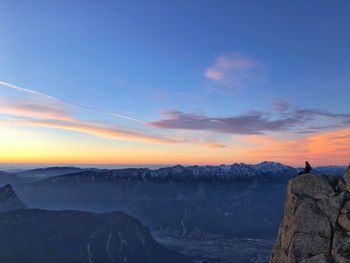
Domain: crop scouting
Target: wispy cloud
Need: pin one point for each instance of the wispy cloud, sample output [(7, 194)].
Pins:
[(55, 99), (309, 114), (37, 109), (279, 104), (294, 119), (41, 110), (215, 145), (33, 109), (232, 72), (250, 123), (99, 130)]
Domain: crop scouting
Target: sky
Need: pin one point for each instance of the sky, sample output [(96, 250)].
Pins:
[(168, 82)]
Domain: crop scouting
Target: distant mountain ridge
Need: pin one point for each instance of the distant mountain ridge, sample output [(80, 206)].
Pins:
[(53, 171), (238, 171), (225, 172), (330, 170)]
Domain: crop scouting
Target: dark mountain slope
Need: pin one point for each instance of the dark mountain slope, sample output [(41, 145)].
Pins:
[(41, 236), (9, 199)]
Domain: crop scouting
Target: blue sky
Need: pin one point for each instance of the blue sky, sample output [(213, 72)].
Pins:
[(208, 60)]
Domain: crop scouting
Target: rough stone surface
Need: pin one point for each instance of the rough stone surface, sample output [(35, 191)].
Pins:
[(317, 259), (330, 206), (341, 186), (301, 247), (347, 178), (341, 244), (346, 207), (340, 259), (316, 222), (344, 221), (311, 185)]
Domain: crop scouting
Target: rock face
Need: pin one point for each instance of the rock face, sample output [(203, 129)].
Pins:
[(9, 200), (316, 223), (41, 236), (347, 177)]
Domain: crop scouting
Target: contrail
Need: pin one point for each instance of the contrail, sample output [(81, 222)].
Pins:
[(33, 92), (105, 112)]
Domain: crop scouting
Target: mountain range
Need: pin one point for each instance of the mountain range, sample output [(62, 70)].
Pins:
[(216, 206)]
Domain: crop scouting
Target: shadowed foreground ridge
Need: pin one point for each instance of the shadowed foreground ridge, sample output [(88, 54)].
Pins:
[(9, 200), (41, 236), (35, 236), (316, 223)]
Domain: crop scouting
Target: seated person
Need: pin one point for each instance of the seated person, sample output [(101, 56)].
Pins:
[(307, 168)]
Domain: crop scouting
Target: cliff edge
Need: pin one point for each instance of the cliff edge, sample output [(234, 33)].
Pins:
[(316, 222)]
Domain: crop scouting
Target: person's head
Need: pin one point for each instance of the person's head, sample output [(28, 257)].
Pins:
[(307, 163)]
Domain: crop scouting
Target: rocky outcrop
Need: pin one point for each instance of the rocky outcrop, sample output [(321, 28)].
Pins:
[(316, 223), (9, 200)]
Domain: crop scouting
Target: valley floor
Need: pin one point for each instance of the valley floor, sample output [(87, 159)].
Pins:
[(217, 248)]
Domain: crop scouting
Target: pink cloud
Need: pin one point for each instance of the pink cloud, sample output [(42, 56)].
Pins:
[(33, 110), (320, 149), (232, 71)]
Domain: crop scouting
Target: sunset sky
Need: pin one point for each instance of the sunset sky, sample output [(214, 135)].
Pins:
[(167, 82)]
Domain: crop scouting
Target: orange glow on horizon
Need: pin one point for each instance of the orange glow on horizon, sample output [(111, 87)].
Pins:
[(71, 148)]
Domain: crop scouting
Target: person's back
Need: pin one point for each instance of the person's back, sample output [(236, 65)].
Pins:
[(308, 167)]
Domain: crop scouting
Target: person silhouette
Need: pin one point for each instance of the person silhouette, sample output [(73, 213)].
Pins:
[(307, 168)]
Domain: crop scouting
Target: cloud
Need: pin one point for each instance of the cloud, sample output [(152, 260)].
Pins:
[(309, 114), (285, 118), (215, 145), (41, 110), (232, 71), (279, 104), (250, 123), (92, 128), (58, 100), (33, 109), (331, 147)]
